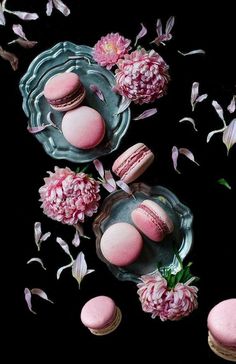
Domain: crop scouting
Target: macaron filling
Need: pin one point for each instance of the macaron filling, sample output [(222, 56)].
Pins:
[(110, 326), (226, 352), (129, 163), (161, 225), (68, 99)]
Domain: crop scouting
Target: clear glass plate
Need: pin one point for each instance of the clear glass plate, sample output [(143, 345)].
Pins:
[(117, 207), (69, 57)]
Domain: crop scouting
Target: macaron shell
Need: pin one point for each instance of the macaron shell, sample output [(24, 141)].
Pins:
[(83, 127), (222, 351), (154, 226), (133, 167), (121, 244), (98, 312), (221, 323)]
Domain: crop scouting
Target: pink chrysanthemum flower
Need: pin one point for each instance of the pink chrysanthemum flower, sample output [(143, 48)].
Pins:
[(68, 196), (109, 49), (142, 76), (167, 303)]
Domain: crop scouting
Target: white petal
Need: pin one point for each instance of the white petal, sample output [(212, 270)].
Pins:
[(229, 135), (38, 260), (28, 296), (188, 154), (191, 120), (18, 30), (59, 5), (39, 292), (175, 154)]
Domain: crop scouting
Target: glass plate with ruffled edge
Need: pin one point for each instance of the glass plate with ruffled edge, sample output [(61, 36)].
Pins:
[(117, 207), (69, 57)]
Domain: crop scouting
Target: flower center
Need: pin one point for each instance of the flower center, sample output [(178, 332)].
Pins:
[(110, 48)]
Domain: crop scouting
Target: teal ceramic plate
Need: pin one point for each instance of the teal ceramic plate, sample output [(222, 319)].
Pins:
[(117, 207), (69, 57)]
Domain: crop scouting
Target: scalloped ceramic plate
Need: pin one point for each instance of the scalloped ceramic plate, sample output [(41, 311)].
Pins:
[(56, 60), (117, 207)]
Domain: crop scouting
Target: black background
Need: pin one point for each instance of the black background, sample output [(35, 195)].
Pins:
[(57, 327)]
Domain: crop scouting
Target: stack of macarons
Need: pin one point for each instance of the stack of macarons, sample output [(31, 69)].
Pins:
[(64, 92), (122, 243)]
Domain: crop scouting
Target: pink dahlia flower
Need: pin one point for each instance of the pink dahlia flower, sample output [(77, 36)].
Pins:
[(169, 304), (142, 76), (109, 49), (68, 196)]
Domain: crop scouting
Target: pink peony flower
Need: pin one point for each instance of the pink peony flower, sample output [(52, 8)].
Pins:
[(68, 196), (167, 303), (142, 76), (109, 49)]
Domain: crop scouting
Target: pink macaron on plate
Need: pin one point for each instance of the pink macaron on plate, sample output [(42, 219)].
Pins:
[(66, 57), (118, 208)]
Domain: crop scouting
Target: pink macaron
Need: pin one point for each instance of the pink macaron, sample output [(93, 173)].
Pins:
[(133, 162), (83, 127), (64, 91), (152, 220), (221, 324), (101, 315), (121, 244)]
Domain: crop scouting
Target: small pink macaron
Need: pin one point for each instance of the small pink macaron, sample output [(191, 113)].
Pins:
[(64, 91), (152, 220), (101, 315), (221, 323), (133, 162), (121, 244), (83, 127)]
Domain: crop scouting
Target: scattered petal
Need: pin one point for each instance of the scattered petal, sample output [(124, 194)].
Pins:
[(195, 51), (191, 120), (51, 122), (64, 246), (39, 292), (10, 57), (38, 260), (109, 181), (45, 237), (28, 297), (232, 106), (49, 8), (59, 5), (124, 187), (194, 93), (125, 102), (23, 15), (2, 17), (99, 167), (223, 182), (159, 27), (97, 91), (76, 240), (229, 135), (209, 136), (175, 154), (37, 233), (24, 43), (201, 98), (60, 270), (80, 229), (169, 24), (188, 154), (146, 114), (141, 34), (79, 268), (18, 30), (219, 111), (36, 129)]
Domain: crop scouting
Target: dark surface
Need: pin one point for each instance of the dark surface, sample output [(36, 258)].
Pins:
[(58, 327)]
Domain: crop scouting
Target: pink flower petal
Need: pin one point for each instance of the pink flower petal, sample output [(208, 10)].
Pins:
[(97, 91), (146, 114), (159, 27), (18, 30), (79, 268), (141, 34), (124, 187), (169, 24), (219, 111), (10, 57), (194, 93), (76, 240), (229, 135), (39, 292), (64, 246), (191, 120), (59, 5), (99, 167), (36, 129), (24, 16), (125, 102), (201, 98), (232, 106), (109, 179), (49, 8), (175, 154), (60, 270), (188, 154), (2, 17), (24, 43), (38, 260), (195, 51), (28, 297)]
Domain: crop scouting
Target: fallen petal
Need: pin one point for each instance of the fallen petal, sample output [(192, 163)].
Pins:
[(195, 51), (79, 268), (174, 155), (28, 297), (59, 5), (45, 237), (194, 93), (125, 102), (2, 17), (124, 187), (219, 111), (97, 92), (64, 246), (169, 24), (159, 27), (99, 167), (37, 233), (24, 43), (201, 98), (39, 292), (49, 8), (188, 154), (38, 260), (18, 30), (146, 114), (209, 136), (191, 120), (25, 16), (229, 135), (109, 179), (36, 129), (223, 182), (76, 240), (231, 107), (10, 57), (60, 270), (141, 34)]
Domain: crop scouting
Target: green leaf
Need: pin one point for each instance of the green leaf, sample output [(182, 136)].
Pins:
[(77, 170), (179, 276), (223, 182)]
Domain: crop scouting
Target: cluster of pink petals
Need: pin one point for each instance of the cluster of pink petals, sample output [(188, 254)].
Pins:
[(109, 49), (142, 76), (68, 196), (169, 304)]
